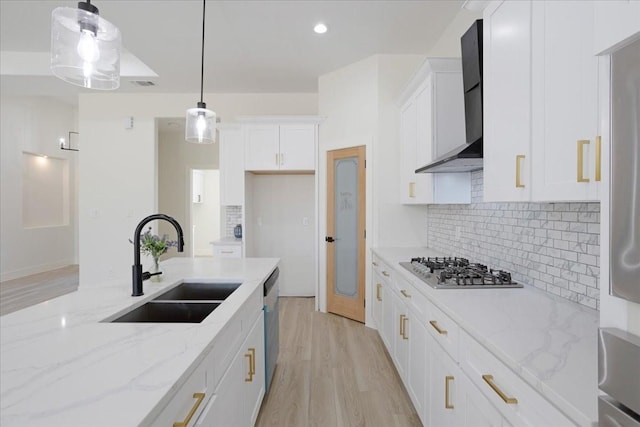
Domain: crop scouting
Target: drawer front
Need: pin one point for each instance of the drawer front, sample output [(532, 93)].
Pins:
[(385, 272), (416, 302), (444, 330), (229, 251), (190, 399), (519, 403)]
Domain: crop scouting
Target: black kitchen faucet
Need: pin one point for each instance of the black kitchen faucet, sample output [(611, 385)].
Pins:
[(138, 275)]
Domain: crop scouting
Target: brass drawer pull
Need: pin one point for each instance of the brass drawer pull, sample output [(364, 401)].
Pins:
[(598, 158), (519, 159), (447, 402), (581, 144), (226, 252), (437, 328), (252, 364), (384, 273), (412, 189), (404, 328), (199, 398), (508, 400), (375, 264), (403, 292), (402, 316), (378, 297)]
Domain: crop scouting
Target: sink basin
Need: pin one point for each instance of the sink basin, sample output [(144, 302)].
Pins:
[(199, 292), (169, 312)]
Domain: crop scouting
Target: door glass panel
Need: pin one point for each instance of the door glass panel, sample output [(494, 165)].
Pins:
[(346, 227)]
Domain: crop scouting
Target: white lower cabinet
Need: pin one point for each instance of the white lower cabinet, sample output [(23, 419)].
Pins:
[(418, 357)]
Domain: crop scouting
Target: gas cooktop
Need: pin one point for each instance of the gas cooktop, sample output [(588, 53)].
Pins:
[(458, 273)]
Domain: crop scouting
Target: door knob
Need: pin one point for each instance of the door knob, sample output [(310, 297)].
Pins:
[(329, 239)]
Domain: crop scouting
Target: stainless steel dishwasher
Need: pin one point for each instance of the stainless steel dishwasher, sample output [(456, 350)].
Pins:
[(271, 326)]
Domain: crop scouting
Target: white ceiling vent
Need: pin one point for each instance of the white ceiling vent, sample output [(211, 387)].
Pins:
[(142, 83)]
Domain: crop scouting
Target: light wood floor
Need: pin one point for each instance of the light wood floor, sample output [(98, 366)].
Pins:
[(332, 372), (30, 290)]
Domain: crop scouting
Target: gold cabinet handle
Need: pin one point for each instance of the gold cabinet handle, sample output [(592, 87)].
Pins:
[(252, 364), (412, 189), (581, 144), (519, 159), (404, 328), (375, 264), (226, 252), (402, 316), (378, 297), (384, 273), (407, 295), (199, 398), (447, 402), (598, 158), (508, 400), (281, 159), (437, 328), (277, 159)]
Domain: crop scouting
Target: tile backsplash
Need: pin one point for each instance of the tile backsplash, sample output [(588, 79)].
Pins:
[(233, 217), (552, 246)]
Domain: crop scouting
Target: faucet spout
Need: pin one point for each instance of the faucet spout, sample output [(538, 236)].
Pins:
[(138, 275)]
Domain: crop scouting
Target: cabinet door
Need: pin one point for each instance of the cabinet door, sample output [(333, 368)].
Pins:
[(424, 149), (565, 102), (507, 101), (475, 410), (446, 406), (253, 352), (231, 167), (227, 404), (389, 322), (616, 22), (297, 147), (417, 365), (408, 140), (262, 147), (400, 338)]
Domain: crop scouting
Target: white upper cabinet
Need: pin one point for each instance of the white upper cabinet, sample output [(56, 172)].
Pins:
[(231, 167), (565, 102), (541, 102), (616, 22), (507, 101), (431, 124), (280, 147)]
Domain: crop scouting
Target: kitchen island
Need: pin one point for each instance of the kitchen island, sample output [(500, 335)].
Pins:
[(62, 365), (539, 350)]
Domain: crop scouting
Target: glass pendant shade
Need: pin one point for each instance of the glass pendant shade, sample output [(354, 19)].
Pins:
[(201, 125), (85, 48)]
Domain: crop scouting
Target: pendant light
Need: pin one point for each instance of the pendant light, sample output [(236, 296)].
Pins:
[(85, 48), (201, 122)]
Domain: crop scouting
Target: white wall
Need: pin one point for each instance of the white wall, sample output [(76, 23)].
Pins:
[(359, 103), (34, 124), (118, 170), (279, 206), (448, 45), (205, 216)]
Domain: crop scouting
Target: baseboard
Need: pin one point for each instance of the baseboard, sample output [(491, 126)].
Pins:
[(16, 274)]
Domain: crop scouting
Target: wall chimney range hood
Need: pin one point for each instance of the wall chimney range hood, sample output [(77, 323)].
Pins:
[(467, 157)]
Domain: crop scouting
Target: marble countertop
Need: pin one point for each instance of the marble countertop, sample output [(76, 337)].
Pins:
[(61, 366), (548, 341)]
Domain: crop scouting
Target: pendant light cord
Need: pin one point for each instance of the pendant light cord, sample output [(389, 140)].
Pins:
[(204, 3)]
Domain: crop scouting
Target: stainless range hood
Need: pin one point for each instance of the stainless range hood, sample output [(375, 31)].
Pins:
[(467, 157)]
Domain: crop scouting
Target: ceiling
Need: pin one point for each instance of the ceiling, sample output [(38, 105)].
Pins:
[(251, 46)]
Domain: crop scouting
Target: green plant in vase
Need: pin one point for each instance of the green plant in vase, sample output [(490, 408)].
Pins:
[(154, 246)]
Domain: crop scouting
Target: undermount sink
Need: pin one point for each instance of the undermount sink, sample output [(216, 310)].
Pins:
[(198, 291), (168, 312)]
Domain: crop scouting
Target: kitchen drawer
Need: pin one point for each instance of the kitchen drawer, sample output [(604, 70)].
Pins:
[(192, 395), (227, 251), (387, 273), (518, 402), (417, 302), (444, 330)]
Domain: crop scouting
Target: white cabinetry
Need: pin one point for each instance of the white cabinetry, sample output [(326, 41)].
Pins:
[(222, 249), (280, 147), (197, 186), (616, 22), (540, 102), (431, 124), (231, 166)]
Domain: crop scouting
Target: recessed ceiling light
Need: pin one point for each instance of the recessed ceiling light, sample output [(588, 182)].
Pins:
[(320, 28)]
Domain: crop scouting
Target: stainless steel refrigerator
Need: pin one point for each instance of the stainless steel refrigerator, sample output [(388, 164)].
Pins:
[(619, 351)]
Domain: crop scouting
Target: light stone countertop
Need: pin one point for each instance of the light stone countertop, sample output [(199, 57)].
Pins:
[(548, 341), (61, 366)]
